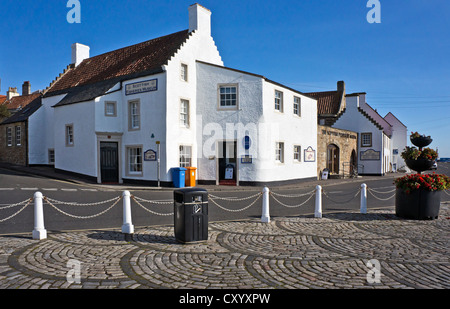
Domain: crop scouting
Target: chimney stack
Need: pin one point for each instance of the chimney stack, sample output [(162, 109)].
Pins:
[(26, 88), (11, 93), (341, 86), (199, 19), (79, 53)]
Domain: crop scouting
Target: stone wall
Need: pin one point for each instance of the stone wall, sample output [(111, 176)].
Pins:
[(14, 154), (345, 140)]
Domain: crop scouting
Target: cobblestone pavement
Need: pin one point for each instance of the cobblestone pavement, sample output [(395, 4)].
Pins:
[(287, 253)]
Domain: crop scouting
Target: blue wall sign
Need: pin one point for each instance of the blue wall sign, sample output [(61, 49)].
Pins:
[(247, 142)]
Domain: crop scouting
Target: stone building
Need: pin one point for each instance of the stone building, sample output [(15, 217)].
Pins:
[(14, 130), (337, 151), (336, 148)]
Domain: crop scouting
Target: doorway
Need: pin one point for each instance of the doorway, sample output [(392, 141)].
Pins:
[(353, 163), (227, 163), (109, 162), (333, 159)]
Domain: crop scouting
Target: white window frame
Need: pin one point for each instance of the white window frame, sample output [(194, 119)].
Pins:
[(297, 106), (18, 135), (279, 152), (222, 96), (184, 113), (297, 153), (185, 155), (51, 156), (114, 107), (134, 115), (184, 72), (278, 101), (366, 142), (69, 135), (9, 137), (135, 160)]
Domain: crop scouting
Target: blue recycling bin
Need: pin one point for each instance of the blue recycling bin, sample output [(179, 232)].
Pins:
[(178, 177)]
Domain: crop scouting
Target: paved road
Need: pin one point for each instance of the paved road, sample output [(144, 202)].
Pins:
[(293, 251), (16, 187), (287, 253)]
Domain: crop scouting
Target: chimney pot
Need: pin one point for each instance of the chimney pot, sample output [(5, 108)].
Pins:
[(11, 93)]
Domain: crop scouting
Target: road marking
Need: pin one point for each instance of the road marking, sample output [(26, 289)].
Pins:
[(29, 189), (92, 190), (49, 189), (6, 189), (69, 190)]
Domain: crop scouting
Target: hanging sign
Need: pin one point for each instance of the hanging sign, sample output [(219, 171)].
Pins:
[(310, 155), (150, 155)]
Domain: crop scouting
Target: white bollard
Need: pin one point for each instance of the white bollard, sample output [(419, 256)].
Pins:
[(318, 210), (363, 198), (39, 231), (265, 218), (127, 227)]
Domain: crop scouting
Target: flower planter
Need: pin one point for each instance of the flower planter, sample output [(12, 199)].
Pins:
[(421, 141), (419, 165), (418, 205)]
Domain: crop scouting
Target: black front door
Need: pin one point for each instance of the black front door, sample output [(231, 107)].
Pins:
[(109, 162), (227, 163)]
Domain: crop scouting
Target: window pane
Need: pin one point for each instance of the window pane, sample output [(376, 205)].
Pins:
[(228, 96), (69, 135), (135, 159), (184, 113), (9, 136), (185, 156), (297, 102), (110, 109), (184, 72), (278, 100), (134, 115), (18, 136), (279, 152)]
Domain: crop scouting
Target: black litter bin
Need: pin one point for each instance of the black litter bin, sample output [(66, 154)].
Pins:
[(191, 214)]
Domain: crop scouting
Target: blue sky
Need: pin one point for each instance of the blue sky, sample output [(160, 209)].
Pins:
[(402, 63)]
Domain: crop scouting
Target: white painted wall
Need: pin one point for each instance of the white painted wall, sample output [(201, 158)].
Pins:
[(265, 125), (216, 125), (354, 120), (82, 156), (41, 131), (200, 46), (153, 121), (293, 130), (399, 139)]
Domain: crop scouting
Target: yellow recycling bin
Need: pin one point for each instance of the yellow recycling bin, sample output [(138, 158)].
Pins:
[(190, 176)]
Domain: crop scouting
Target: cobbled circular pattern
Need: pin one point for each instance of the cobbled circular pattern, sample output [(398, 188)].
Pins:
[(287, 253)]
